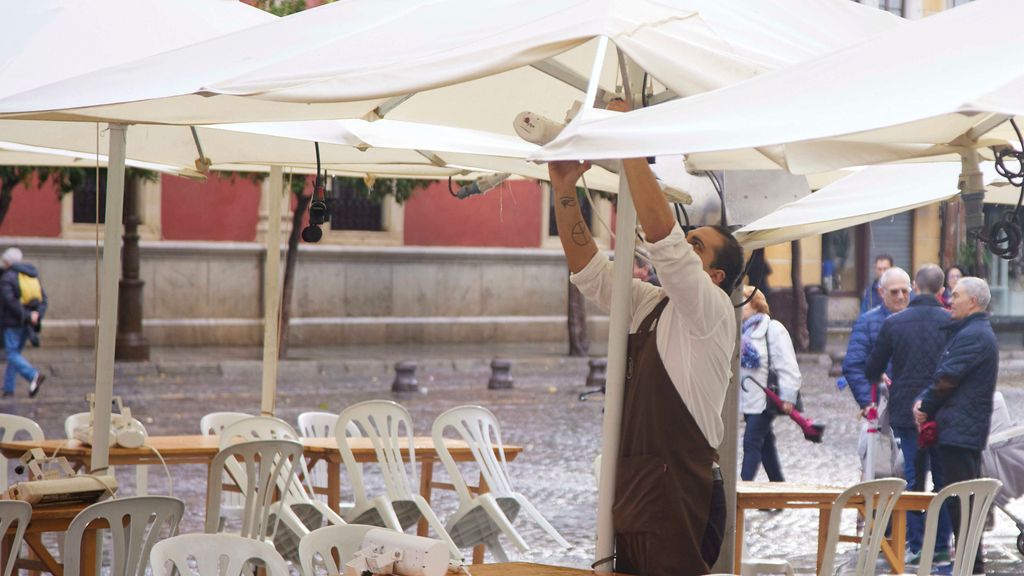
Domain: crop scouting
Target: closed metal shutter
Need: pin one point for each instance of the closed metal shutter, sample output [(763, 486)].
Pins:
[(894, 235)]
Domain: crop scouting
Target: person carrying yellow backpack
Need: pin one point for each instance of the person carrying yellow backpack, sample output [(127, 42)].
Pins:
[(22, 307)]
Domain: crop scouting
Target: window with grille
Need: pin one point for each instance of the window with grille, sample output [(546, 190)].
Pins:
[(353, 211), (83, 200)]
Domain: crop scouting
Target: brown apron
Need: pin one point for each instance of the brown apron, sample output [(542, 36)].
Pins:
[(663, 488)]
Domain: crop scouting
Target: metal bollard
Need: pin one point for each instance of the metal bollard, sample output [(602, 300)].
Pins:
[(501, 377), (405, 378), (598, 372)]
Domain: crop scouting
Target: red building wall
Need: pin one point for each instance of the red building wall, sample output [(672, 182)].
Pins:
[(218, 209), (33, 212), (508, 216)]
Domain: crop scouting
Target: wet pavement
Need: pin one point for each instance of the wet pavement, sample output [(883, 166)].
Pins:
[(560, 434)]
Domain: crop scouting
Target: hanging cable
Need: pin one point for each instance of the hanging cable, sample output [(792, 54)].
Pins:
[(758, 255), (682, 216), (719, 188), (1004, 237)]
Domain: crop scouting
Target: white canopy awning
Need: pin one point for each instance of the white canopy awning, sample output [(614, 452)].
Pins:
[(867, 195), (928, 88), (464, 63), (14, 154)]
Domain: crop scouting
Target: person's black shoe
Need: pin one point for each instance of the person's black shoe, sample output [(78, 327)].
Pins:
[(8, 394), (33, 388)]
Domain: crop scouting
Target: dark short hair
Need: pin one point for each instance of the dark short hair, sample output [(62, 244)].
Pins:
[(728, 259), (929, 279), (884, 256)]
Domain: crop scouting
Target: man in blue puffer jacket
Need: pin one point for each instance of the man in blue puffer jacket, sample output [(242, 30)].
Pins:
[(894, 287), (913, 341), (959, 399)]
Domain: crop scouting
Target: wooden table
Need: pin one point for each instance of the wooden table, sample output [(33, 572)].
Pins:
[(769, 495), (200, 449), (53, 519)]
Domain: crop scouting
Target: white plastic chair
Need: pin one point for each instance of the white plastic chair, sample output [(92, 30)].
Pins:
[(976, 497), (481, 518), (256, 468), (216, 555), (386, 423), (299, 510), (135, 524), (211, 425), (321, 425), (321, 547), (880, 498), (83, 419), (14, 428), (13, 514)]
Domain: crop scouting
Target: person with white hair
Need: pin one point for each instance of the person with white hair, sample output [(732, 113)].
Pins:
[(23, 303), (894, 289), (959, 399)]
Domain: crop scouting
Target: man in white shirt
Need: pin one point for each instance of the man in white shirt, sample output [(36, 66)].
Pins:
[(669, 510)]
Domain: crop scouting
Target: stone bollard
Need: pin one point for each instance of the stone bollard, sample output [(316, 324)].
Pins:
[(837, 363), (405, 378), (598, 372), (501, 377)]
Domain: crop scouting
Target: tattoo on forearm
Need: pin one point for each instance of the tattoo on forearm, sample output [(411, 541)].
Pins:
[(567, 201), (580, 234)]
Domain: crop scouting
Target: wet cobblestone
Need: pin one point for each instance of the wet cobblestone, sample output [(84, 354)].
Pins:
[(561, 437)]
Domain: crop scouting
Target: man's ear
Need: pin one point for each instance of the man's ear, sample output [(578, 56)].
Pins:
[(717, 275)]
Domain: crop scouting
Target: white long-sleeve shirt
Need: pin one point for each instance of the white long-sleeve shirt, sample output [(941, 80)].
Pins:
[(696, 334), (752, 399)]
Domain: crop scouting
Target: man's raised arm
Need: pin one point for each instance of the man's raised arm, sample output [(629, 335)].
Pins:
[(652, 208), (573, 231)]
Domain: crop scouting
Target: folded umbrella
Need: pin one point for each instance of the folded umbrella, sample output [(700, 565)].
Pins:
[(812, 431)]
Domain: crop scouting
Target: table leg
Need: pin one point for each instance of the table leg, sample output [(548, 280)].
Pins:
[(426, 477), (334, 485), (824, 516), (35, 543), (894, 545), (6, 548), (738, 549), (90, 553), (215, 513), (478, 550)]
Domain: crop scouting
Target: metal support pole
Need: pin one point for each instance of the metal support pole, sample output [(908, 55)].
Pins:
[(272, 291), (972, 190), (110, 273), (618, 334), (727, 451)]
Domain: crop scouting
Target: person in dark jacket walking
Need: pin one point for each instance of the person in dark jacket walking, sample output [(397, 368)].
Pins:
[(959, 398), (894, 288), (872, 296), (21, 315), (912, 341)]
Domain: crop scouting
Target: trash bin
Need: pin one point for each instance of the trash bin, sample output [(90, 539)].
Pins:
[(817, 318)]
